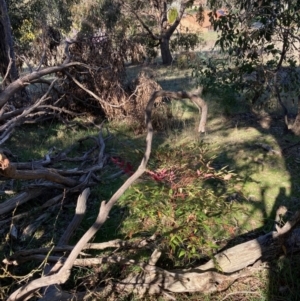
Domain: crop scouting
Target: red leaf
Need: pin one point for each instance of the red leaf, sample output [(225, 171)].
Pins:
[(128, 169), (115, 160)]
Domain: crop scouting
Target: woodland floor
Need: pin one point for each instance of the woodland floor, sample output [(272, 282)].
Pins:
[(236, 136)]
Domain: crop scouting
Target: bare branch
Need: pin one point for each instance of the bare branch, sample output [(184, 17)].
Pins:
[(199, 102), (22, 255), (12, 173), (26, 79), (79, 215), (19, 199), (58, 278), (101, 100)]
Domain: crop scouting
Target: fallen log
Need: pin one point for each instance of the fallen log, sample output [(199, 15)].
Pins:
[(19, 199), (8, 170), (265, 247)]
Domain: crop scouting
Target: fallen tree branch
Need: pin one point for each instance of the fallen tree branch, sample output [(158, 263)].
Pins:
[(23, 81), (9, 126), (26, 255), (20, 199), (264, 247), (11, 172), (51, 291), (81, 262), (64, 273), (58, 278), (40, 180), (50, 203)]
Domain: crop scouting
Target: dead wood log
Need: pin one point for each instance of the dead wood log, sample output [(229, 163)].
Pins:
[(20, 199), (264, 247), (8, 170), (46, 174)]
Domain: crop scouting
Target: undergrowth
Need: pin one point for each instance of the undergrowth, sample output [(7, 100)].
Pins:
[(190, 204)]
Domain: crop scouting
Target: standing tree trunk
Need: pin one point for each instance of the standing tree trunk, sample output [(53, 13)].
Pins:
[(166, 30), (7, 55), (165, 50)]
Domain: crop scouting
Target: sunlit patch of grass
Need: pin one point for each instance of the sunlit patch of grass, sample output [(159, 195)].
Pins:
[(263, 175)]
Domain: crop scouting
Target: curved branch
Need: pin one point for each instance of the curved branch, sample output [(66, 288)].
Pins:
[(27, 79), (198, 101)]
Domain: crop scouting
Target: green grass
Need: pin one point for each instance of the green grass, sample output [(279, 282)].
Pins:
[(34, 141)]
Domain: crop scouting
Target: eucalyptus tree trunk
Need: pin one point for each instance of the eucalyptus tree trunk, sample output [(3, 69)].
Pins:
[(167, 30), (165, 51), (7, 55)]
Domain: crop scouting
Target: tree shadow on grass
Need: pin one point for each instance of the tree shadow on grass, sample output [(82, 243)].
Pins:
[(283, 272)]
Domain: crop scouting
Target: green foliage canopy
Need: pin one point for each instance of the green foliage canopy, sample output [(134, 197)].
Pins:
[(259, 41)]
